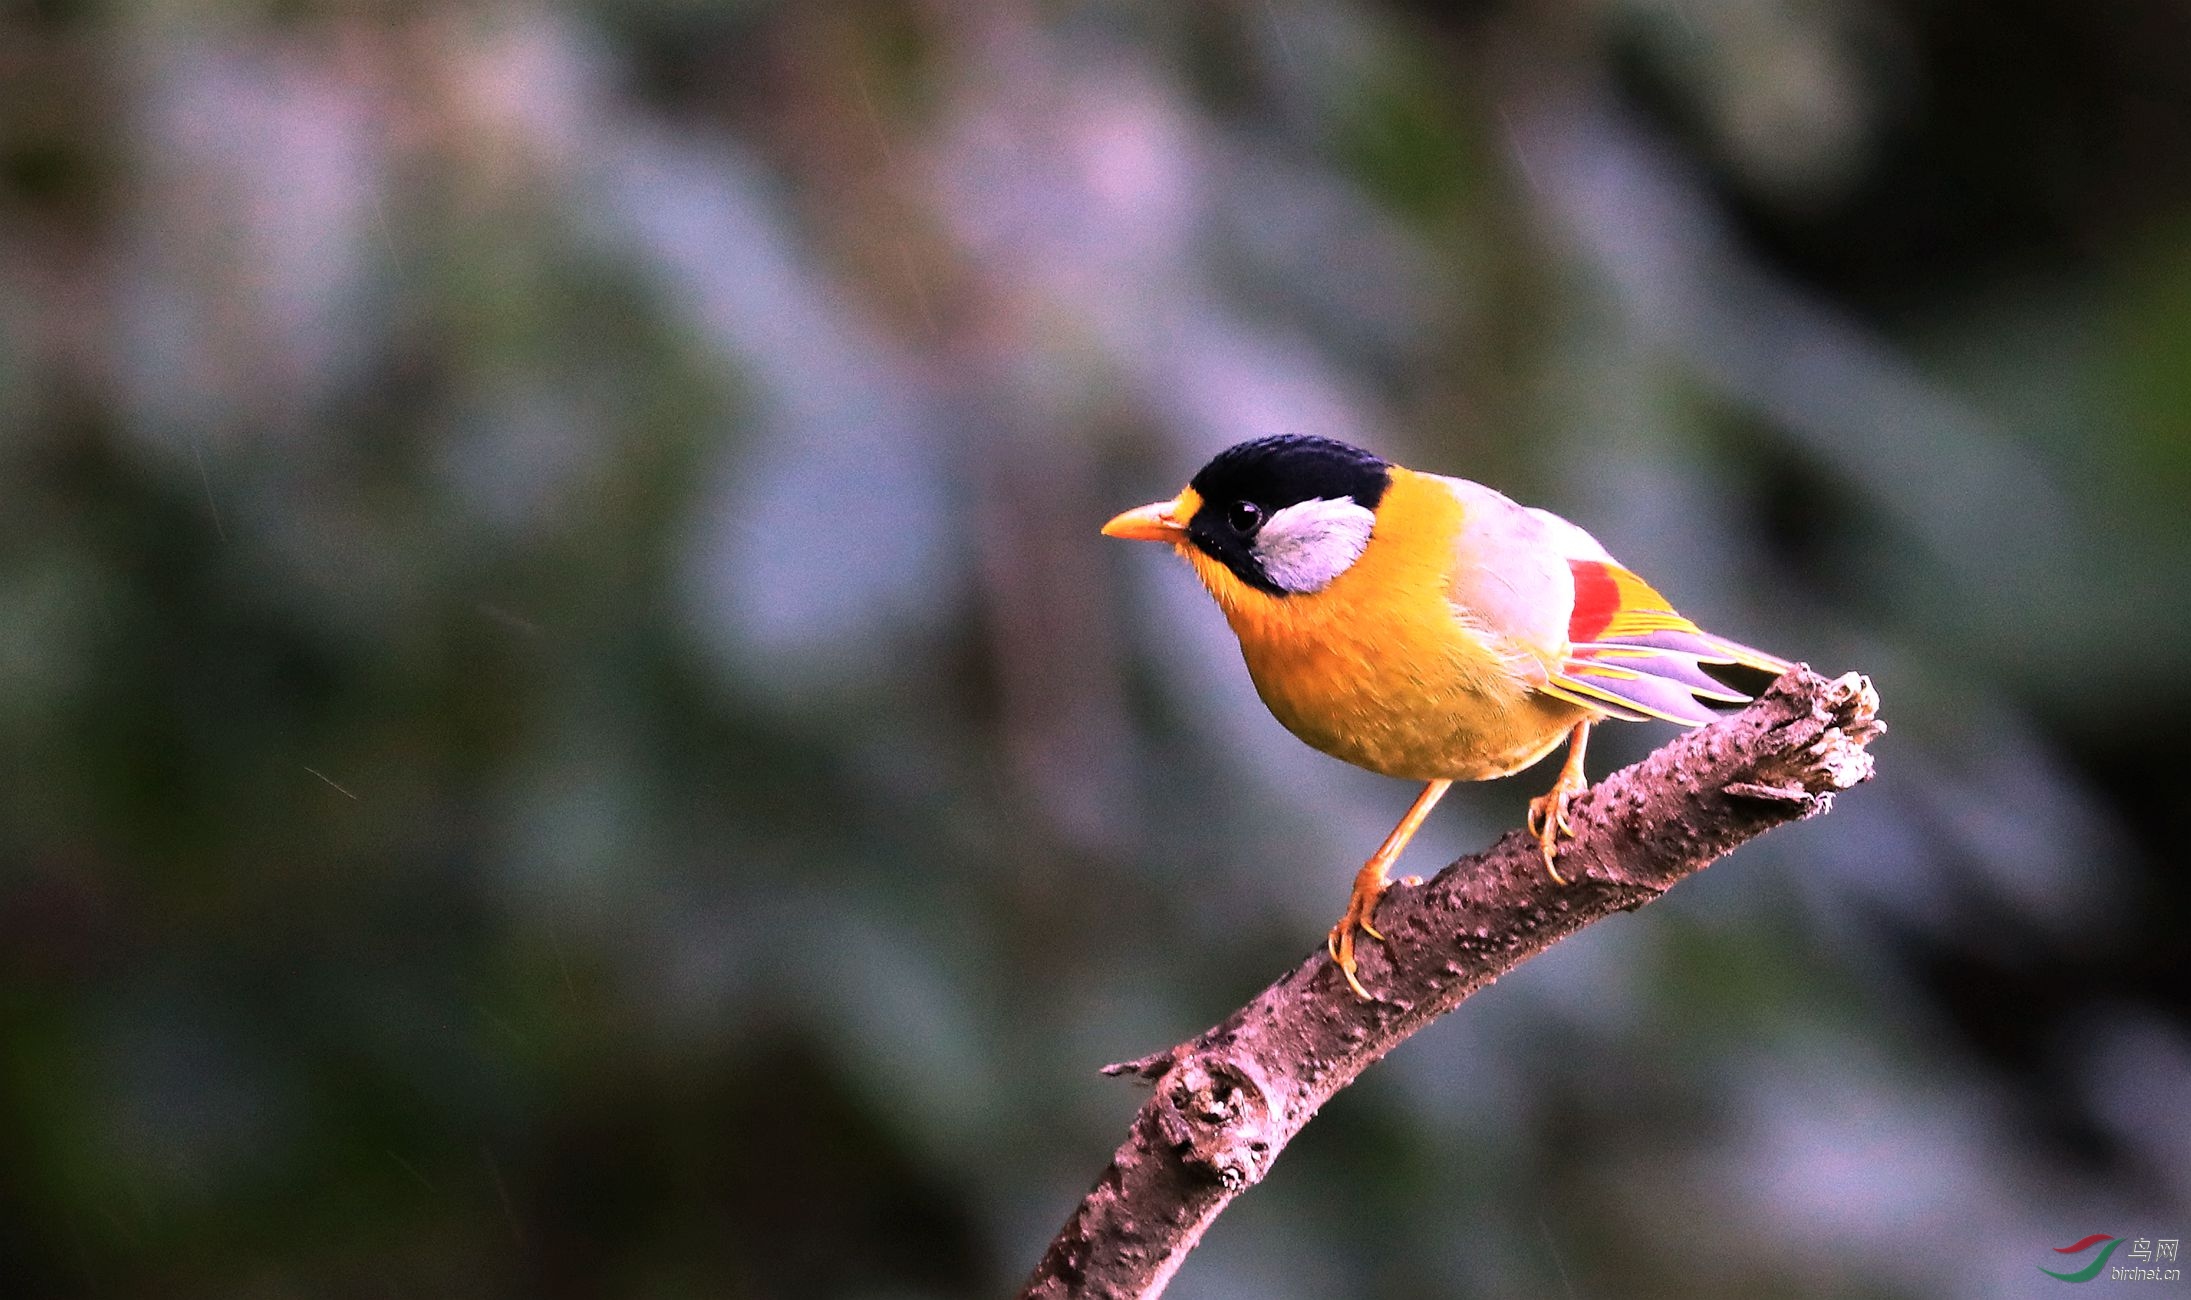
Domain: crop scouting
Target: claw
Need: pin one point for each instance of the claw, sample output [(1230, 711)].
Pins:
[(1361, 905), (1547, 819), (1343, 956), (1548, 841), (1548, 822)]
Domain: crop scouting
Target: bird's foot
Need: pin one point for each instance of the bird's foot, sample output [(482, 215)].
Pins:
[(1369, 887), (1548, 819)]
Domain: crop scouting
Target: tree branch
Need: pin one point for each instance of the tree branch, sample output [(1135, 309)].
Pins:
[(1227, 1101)]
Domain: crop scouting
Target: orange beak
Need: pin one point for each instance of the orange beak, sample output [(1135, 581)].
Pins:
[(1157, 521)]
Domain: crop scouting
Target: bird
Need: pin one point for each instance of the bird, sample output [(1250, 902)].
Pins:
[(1431, 628)]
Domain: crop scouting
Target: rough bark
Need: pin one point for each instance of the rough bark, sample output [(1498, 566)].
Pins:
[(1227, 1101)]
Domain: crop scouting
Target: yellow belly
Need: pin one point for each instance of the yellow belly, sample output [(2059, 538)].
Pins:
[(1415, 711)]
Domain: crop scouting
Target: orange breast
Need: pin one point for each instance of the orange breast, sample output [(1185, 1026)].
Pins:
[(1379, 670)]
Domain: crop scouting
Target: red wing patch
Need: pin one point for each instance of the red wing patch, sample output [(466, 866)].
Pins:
[(1611, 603), (1597, 599)]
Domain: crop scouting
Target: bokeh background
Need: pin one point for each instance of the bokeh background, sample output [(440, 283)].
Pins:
[(568, 731)]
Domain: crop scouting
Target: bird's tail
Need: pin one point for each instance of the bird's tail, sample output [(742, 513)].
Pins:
[(1631, 656)]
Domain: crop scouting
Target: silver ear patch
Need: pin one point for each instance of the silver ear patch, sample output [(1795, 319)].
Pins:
[(1304, 546)]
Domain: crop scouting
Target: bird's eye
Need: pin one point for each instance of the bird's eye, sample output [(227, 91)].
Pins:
[(1245, 517)]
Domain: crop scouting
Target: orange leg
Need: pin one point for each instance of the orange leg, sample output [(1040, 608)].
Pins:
[(1548, 812), (1369, 885)]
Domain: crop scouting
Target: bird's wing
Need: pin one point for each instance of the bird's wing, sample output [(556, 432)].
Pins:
[(1629, 653), (1510, 579), (1598, 635)]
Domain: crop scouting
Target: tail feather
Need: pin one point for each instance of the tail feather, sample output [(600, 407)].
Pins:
[(1631, 655)]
